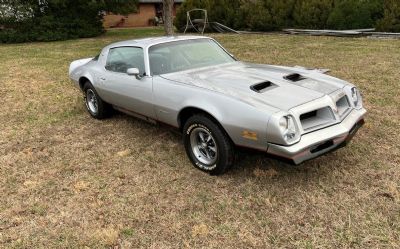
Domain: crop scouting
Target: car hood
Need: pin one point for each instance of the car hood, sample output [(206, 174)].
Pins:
[(235, 79)]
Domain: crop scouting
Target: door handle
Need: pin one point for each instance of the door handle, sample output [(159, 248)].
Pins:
[(102, 78)]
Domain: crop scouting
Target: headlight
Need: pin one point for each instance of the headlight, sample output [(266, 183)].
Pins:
[(282, 129), (355, 96), (288, 129)]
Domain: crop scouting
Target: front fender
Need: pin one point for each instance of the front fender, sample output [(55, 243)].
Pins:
[(245, 124)]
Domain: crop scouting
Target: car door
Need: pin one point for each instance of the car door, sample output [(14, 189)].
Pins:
[(127, 91)]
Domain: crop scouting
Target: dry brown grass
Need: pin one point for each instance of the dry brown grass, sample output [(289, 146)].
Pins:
[(69, 181)]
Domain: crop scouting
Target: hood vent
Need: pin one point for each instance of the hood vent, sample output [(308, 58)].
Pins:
[(262, 87), (294, 77)]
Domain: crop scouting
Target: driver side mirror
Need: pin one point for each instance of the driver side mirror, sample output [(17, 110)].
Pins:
[(134, 72)]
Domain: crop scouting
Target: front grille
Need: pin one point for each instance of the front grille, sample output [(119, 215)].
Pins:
[(317, 118), (343, 106)]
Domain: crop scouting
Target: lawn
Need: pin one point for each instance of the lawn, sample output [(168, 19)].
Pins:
[(69, 181)]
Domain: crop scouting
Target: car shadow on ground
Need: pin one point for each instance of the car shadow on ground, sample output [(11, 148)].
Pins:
[(250, 164)]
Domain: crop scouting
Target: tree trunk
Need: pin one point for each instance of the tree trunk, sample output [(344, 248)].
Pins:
[(168, 16)]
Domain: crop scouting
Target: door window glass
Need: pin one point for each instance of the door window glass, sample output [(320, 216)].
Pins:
[(122, 58)]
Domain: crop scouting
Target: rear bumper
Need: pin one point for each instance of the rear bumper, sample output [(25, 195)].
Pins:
[(322, 141)]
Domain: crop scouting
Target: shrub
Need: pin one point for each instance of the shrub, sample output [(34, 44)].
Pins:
[(49, 28), (268, 15), (224, 11), (53, 20), (261, 15), (254, 16), (355, 14), (281, 13), (391, 20), (312, 14)]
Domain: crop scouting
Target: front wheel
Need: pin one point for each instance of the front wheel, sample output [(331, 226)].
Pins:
[(207, 145)]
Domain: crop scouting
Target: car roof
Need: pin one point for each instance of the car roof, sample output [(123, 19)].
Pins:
[(147, 42)]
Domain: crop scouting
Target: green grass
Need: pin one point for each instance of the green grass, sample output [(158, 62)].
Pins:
[(64, 184)]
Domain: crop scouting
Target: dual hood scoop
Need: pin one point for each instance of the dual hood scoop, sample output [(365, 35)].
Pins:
[(268, 85), (294, 77), (262, 87)]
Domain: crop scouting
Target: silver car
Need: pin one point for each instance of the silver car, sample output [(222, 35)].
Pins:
[(219, 103)]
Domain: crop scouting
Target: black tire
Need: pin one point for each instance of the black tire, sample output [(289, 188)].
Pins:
[(102, 109), (222, 159)]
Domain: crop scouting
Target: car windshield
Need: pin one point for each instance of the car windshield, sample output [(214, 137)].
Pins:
[(188, 54)]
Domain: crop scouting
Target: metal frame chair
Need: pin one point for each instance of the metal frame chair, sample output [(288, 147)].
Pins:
[(189, 20)]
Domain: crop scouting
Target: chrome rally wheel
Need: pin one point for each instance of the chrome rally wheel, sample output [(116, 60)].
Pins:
[(96, 107), (203, 146), (207, 145), (91, 101)]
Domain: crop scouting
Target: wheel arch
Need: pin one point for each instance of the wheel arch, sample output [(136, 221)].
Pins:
[(85, 77), (190, 111), (82, 81)]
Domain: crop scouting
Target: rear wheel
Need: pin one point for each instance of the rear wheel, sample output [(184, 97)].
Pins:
[(207, 145), (96, 107)]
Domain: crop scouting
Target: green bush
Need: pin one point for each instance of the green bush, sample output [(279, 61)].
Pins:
[(265, 15), (355, 14), (269, 15), (254, 16), (312, 14), (53, 20), (49, 28), (225, 11), (391, 20), (262, 15)]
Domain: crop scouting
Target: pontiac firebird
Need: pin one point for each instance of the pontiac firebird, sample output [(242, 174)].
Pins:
[(219, 103)]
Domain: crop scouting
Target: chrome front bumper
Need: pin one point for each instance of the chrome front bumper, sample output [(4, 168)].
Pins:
[(319, 142)]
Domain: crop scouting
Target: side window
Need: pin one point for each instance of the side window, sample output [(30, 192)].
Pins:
[(122, 58)]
